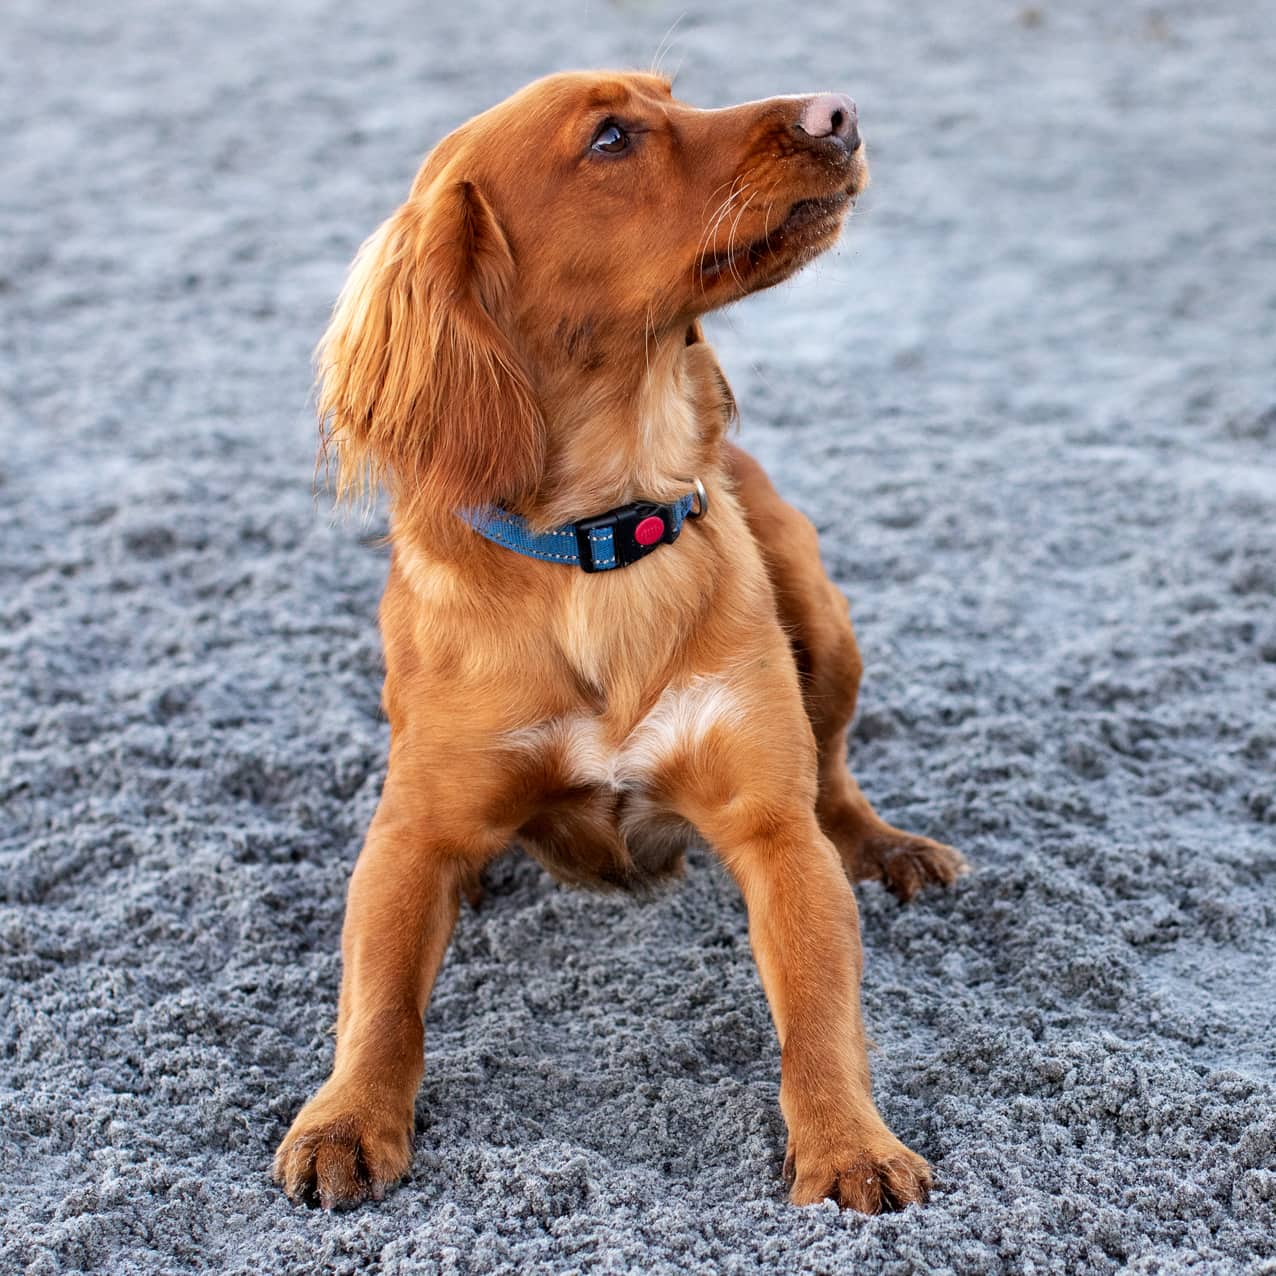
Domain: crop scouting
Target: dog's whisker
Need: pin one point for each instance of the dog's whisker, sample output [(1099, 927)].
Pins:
[(731, 260), (724, 210), (708, 198), (665, 44), (715, 221)]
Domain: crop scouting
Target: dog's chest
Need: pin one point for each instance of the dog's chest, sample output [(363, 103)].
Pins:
[(584, 750), (599, 816)]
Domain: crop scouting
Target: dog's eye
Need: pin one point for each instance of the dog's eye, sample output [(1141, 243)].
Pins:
[(611, 139)]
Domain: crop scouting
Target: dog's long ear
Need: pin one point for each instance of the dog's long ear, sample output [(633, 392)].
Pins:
[(418, 386)]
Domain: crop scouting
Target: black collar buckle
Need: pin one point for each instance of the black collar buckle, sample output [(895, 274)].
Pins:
[(625, 534)]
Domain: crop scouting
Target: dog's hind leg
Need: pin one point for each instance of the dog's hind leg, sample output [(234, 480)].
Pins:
[(817, 619)]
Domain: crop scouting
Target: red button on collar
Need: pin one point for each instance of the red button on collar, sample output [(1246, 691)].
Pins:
[(650, 530)]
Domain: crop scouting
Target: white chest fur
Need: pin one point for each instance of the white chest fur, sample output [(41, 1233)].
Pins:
[(588, 752)]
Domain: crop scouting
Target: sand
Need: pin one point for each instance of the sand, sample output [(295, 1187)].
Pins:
[(1030, 404)]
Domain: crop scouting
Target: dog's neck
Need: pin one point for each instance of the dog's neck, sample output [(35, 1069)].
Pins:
[(640, 428)]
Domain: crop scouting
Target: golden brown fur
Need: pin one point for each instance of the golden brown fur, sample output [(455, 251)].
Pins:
[(523, 330)]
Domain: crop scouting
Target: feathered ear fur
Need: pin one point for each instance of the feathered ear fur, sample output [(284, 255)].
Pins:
[(418, 386)]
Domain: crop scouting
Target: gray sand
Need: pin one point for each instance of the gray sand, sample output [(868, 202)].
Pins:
[(1030, 402)]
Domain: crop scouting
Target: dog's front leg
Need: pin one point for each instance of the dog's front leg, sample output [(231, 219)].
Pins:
[(751, 792), (804, 929), (354, 1138)]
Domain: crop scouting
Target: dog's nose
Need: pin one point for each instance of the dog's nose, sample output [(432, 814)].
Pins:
[(831, 115)]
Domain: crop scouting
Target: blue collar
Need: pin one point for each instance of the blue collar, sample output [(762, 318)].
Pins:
[(615, 539)]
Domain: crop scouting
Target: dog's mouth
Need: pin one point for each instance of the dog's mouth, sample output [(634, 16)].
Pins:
[(810, 212), (808, 227)]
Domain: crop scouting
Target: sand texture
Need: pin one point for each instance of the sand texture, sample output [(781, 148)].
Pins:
[(1030, 403)]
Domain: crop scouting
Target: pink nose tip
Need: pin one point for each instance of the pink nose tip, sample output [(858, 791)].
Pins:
[(831, 115)]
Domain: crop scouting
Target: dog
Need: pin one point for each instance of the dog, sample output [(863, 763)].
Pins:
[(604, 631)]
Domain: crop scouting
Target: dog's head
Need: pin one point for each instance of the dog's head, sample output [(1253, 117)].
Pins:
[(572, 226)]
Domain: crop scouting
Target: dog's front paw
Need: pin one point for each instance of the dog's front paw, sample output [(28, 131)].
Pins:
[(906, 862), (341, 1151), (876, 1177)]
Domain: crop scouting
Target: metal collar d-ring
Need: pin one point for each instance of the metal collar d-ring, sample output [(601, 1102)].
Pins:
[(702, 500)]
